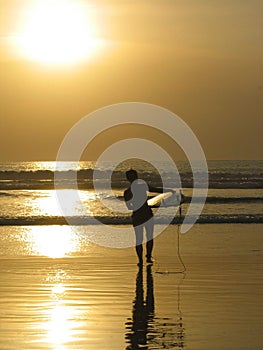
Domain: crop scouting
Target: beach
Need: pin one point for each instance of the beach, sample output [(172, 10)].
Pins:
[(121, 113), (92, 297)]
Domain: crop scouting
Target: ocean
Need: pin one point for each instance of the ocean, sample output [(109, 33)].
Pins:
[(27, 195)]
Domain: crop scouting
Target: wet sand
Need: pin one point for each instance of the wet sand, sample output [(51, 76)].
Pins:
[(97, 298)]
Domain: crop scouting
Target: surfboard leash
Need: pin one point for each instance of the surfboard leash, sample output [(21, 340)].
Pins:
[(178, 246), (178, 250)]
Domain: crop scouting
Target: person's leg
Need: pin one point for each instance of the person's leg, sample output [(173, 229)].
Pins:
[(139, 238), (149, 236)]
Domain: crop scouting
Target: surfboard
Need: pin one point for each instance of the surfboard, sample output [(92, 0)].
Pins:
[(165, 199)]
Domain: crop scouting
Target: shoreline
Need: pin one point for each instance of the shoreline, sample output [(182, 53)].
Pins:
[(93, 220)]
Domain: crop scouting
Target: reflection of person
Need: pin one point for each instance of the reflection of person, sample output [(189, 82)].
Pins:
[(148, 330), (143, 312), (142, 216)]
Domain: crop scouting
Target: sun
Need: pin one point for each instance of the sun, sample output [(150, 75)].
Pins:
[(57, 32)]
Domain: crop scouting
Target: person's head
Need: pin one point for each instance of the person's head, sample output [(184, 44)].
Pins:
[(131, 175)]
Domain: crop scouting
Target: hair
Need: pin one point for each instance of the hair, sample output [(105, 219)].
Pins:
[(131, 175)]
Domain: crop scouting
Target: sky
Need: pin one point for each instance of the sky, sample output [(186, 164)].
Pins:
[(202, 60)]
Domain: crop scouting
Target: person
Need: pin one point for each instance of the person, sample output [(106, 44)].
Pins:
[(142, 216)]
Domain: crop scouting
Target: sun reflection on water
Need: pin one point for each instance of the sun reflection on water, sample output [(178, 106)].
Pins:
[(60, 320), (53, 241), (58, 289), (61, 325), (45, 203)]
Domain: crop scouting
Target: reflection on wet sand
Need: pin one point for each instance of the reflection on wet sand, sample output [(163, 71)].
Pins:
[(59, 319), (147, 331), (82, 298)]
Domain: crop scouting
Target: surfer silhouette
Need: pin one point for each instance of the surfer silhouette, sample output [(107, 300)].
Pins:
[(142, 216)]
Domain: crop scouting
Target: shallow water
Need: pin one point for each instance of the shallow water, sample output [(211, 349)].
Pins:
[(59, 291)]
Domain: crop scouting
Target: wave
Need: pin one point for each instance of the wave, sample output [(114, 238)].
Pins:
[(48, 184), (221, 175), (186, 199), (224, 200), (126, 220), (40, 175)]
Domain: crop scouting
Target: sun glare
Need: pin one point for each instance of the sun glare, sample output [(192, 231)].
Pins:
[(58, 32), (55, 242)]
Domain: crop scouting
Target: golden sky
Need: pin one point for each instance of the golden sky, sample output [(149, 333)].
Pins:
[(203, 60)]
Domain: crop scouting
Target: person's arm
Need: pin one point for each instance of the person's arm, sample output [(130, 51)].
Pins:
[(128, 201)]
